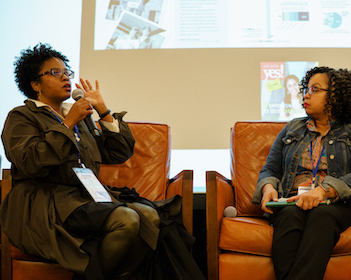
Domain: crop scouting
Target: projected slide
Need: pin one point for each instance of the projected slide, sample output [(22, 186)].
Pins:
[(154, 24), (280, 87)]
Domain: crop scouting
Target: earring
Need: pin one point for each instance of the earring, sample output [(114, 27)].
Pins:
[(38, 94)]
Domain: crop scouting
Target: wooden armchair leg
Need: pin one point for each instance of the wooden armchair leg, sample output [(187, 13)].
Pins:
[(188, 200), (212, 226)]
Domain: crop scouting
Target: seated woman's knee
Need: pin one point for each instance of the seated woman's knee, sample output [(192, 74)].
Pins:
[(292, 212), (323, 212), (153, 217), (149, 212), (123, 218)]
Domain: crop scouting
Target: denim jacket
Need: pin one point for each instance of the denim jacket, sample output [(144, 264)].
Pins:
[(282, 162)]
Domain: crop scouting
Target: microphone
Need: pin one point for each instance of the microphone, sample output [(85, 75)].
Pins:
[(230, 212), (89, 121)]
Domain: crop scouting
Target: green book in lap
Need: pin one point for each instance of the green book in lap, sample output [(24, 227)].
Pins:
[(282, 203)]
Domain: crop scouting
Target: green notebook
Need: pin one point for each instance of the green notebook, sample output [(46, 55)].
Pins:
[(285, 203)]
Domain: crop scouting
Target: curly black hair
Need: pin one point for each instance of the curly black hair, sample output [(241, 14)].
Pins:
[(338, 94), (28, 65)]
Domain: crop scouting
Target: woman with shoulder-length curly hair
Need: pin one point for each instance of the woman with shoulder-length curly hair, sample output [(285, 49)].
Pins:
[(310, 164), (339, 96)]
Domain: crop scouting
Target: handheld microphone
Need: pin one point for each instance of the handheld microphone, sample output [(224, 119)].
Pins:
[(230, 212), (89, 121)]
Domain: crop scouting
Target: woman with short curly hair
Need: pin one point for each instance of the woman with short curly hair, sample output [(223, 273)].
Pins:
[(48, 213), (30, 63), (309, 165)]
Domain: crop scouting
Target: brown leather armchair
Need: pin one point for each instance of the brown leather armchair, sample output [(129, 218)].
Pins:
[(147, 171), (240, 247)]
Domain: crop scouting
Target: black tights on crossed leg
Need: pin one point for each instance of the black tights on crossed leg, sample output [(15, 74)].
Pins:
[(122, 250), (303, 240)]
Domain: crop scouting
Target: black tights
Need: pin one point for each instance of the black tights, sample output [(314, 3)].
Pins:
[(122, 250), (303, 240)]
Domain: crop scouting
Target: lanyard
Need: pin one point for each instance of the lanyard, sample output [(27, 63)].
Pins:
[(76, 134), (315, 168)]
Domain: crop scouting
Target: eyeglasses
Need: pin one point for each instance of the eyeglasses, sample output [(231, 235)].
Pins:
[(313, 89), (58, 73)]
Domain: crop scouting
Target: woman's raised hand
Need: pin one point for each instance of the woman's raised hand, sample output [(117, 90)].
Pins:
[(94, 96)]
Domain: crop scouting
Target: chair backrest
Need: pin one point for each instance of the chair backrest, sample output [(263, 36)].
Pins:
[(249, 146), (148, 169)]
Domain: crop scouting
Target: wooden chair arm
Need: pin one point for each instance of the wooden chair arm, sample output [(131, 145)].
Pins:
[(182, 184), (6, 266), (219, 195)]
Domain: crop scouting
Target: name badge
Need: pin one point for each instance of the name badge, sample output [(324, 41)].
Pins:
[(302, 190), (92, 184)]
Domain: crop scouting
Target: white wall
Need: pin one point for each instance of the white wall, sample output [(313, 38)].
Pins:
[(24, 24)]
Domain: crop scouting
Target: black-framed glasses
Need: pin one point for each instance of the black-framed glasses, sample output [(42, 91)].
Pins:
[(58, 73), (313, 89)]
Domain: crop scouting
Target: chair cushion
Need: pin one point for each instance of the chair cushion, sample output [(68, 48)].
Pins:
[(39, 271), (255, 235), (17, 254), (246, 235), (343, 247)]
